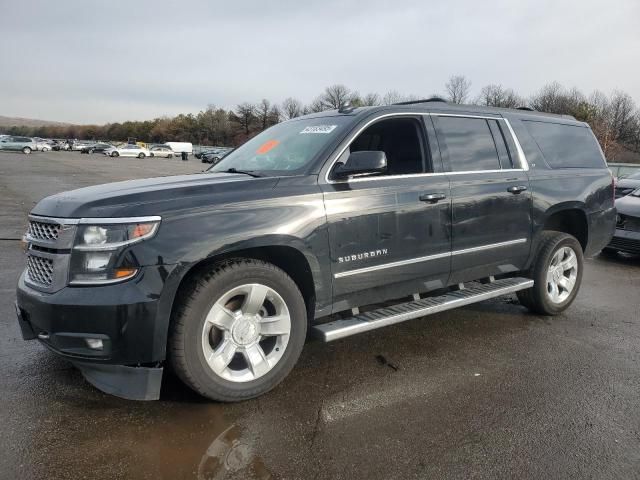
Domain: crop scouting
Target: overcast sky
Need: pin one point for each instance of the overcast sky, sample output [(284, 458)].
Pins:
[(95, 62)]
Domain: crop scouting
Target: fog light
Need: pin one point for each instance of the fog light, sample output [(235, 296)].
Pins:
[(94, 343)]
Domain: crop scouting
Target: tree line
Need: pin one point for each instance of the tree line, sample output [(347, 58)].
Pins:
[(614, 118)]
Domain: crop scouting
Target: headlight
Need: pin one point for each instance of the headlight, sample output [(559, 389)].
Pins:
[(97, 255)]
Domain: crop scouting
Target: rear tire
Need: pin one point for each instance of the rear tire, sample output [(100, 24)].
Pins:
[(115, 154), (141, 155), (170, 155), (218, 342), (557, 273), (26, 150)]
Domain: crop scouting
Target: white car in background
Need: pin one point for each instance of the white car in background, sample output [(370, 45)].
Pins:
[(161, 151), (180, 147), (127, 151), (42, 145)]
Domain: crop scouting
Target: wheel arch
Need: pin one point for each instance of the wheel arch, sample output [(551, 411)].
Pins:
[(300, 265), (571, 218)]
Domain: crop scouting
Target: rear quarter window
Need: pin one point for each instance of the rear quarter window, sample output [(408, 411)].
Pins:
[(566, 146)]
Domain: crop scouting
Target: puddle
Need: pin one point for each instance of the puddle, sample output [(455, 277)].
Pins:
[(156, 441), (231, 456)]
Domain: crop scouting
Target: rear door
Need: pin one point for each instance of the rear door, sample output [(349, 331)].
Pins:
[(386, 238), (491, 201)]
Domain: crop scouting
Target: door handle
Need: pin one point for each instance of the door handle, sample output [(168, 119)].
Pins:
[(432, 197), (516, 189)]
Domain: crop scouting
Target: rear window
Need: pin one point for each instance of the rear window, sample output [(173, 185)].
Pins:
[(469, 144), (566, 146)]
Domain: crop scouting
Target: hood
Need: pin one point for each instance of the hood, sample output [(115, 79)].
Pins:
[(629, 205), (151, 196), (628, 183)]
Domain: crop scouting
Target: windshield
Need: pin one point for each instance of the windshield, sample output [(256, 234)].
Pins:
[(286, 148)]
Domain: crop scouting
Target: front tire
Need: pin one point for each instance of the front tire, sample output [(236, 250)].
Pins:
[(238, 330), (115, 154), (141, 155), (557, 274)]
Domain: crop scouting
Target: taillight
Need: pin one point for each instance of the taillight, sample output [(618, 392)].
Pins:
[(613, 188)]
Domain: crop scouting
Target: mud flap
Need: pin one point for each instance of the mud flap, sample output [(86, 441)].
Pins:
[(132, 383)]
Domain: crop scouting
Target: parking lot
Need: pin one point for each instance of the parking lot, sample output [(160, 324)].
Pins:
[(487, 391)]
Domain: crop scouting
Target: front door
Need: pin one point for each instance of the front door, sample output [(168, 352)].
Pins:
[(389, 234), (491, 209)]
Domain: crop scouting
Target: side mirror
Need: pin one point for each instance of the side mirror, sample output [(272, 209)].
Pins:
[(366, 162)]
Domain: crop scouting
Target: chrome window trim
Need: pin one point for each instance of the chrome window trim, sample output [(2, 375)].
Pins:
[(436, 256), (524, 165)]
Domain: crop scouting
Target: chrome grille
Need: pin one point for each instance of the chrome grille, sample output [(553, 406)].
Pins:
[(631, 224), (44, 231), (40, 270)]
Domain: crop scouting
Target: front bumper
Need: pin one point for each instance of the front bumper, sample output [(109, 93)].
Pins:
[(124, 316), (625, 241)]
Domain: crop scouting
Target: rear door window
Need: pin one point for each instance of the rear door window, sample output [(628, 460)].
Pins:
[(467, 144), (566, 146)]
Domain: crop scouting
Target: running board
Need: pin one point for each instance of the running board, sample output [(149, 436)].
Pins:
[(401, 312)]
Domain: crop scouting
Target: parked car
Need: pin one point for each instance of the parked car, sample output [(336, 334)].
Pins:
[(214, 156), (43, 145), (180, 147), (21, 144), (623, 170), (96, 148), (312, 225), (161, 151), (127, 150), (625, 186), (79, 146), (627, 235)]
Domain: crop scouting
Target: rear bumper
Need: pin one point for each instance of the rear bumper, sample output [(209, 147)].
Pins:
[(601, 227), (625, 241)]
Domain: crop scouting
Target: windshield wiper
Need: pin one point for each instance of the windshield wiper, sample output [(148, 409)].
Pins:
[(251, 173)]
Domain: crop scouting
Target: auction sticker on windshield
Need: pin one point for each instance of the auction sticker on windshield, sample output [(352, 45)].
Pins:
[(319, 129), (266, 146)]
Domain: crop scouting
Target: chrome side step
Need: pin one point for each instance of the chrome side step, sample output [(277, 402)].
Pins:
[(383, 317)]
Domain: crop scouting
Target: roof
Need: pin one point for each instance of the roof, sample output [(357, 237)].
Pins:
[(433, 106)]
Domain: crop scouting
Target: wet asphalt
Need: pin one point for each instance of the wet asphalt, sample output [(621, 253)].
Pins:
[(488, 391)]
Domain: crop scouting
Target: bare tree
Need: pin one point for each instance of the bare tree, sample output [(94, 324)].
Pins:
[(499, 96), (393, 96), (291, 108), (314, 107), (244, 116), (335, 96), (622, 115), (458, 88), (370, 100), (275, 115), (262, 113)]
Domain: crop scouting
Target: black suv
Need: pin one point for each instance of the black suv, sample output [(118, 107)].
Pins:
[(309, 227)]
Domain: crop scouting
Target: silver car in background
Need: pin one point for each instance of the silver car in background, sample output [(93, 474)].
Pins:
[(25, 145), (161, 151), (128, 150)]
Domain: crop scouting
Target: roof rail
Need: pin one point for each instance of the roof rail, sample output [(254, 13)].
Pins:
[(528, 109), (430, 99)]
